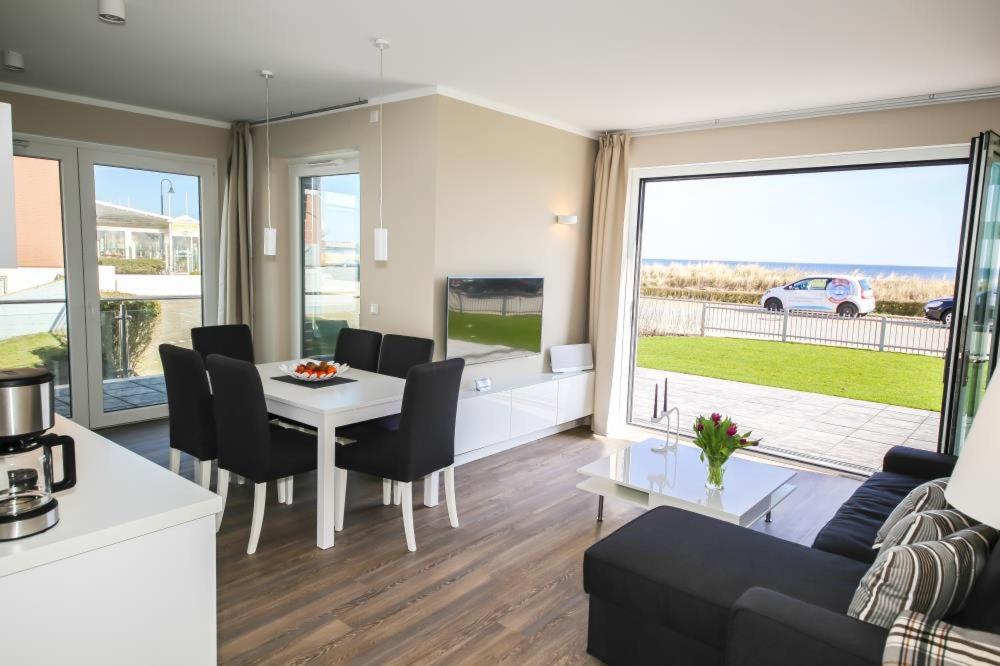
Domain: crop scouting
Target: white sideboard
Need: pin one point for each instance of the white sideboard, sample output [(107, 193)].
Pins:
[(520, 411)]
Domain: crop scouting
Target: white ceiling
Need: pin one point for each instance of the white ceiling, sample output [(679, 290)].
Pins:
[(589, 64)]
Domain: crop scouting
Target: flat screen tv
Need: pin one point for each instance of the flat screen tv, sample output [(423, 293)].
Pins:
[(494, 318)]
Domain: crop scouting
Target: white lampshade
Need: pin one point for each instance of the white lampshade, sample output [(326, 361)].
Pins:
[(973, 488), (270, 241), (381, 244)]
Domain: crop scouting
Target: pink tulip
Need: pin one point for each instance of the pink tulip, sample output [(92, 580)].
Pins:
[(698, 427), (716, 417), (731, 430), (743, 441)]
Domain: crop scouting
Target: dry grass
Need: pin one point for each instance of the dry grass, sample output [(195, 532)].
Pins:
[(755, 279)]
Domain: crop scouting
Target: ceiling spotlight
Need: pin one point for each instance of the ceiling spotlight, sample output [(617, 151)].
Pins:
[(13, 61), (111, 11)]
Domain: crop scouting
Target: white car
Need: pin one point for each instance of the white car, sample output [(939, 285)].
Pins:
[(845, 295)]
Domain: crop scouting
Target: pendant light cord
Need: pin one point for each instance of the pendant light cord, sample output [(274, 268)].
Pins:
[(381, 95), (267, 141)]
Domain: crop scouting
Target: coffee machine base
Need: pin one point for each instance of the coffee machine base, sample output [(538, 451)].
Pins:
[(30, 522)]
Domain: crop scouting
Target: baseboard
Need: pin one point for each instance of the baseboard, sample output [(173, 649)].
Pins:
[(505, 445)]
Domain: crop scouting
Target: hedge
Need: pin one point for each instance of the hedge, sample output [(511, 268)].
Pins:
[(135, 266), (906, 309)]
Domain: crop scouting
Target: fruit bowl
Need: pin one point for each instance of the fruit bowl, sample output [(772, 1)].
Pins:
[(309, 370)]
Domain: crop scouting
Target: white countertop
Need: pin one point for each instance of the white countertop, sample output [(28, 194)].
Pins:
[(119, 495)]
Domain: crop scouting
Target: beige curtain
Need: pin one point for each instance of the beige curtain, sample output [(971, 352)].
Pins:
[(607, 265), (236, 241)]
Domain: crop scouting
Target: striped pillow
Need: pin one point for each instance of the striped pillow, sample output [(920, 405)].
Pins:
[(913, 639), (933, 577), (925, 497), (926, 526)]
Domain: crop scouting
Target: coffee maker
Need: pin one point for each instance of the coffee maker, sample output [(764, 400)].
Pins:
[(27, 410)]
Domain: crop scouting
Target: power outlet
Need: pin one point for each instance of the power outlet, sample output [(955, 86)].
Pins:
[(373, 308)]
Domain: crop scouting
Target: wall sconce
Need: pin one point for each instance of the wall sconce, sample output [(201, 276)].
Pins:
[(565, 219)]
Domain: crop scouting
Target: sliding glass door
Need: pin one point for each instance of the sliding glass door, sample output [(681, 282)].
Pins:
[(328, 197), (972, 357), (115, 253)]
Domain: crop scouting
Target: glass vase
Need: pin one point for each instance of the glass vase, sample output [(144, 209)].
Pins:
[(716, 471)]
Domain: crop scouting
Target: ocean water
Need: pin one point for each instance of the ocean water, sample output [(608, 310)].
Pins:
[(868, 270)]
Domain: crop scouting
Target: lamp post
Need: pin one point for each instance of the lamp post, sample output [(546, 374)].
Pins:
[(165, 210), (164, 201)]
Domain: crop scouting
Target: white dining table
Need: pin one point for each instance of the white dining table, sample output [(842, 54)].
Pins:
[(326, 408)]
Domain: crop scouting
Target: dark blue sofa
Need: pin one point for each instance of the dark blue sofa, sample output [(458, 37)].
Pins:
[(675, 587)]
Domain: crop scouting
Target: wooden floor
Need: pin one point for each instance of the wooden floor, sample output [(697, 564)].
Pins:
[(505, 587)]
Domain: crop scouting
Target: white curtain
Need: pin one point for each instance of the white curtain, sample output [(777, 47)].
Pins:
[(236, 241), (607, 266)]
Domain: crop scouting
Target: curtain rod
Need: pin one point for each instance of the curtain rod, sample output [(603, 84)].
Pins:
[(315, 112)]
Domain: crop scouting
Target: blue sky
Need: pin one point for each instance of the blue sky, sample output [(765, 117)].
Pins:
[(141, 189), (899, 217), (340, 224)]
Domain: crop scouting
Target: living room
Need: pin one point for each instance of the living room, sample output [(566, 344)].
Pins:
[(396, 249)]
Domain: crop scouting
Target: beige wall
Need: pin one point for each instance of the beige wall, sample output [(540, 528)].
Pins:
[(501, 181), (402, 286), (900, 128), (467, 190), (95, 124)]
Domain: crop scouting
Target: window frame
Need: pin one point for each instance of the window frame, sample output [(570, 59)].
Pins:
[(338, 163)]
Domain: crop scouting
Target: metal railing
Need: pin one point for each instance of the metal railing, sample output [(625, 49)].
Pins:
[(662, 316), (495, 305)]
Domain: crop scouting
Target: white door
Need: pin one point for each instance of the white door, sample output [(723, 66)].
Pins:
[(41, 293), (148, 238), (116, 253)]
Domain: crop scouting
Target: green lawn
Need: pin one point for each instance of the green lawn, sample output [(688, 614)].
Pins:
[(521, 331), (908, 380), (35, 349)]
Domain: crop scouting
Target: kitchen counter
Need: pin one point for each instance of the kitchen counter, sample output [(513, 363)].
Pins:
[(118, 496), (127, 575)]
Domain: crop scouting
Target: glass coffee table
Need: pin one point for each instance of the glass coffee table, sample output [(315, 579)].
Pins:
[(648, 474)]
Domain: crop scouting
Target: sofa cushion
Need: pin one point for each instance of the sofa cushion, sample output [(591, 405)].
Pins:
[(927, 496), (926, 526), (685, 570), (915, 639), (934, 577), (851, 532)]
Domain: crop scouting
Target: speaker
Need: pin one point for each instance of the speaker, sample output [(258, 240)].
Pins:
[(572, 358)]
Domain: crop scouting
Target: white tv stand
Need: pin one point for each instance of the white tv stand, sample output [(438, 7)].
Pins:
[(516, 411)]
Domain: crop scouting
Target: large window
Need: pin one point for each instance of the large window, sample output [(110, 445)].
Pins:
[(329, 213), (810, 304)]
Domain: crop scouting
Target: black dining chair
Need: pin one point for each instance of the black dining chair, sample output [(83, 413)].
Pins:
[(189, 405), (402, 352), (324, 335), (232, 340), (358, 348), (249, 445), (423, 444)]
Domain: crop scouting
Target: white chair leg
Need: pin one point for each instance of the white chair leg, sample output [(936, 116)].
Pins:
[(281, 491), (386, 492), (340, 497), (259, 499), (289, 489), (449, 495), (222, 488), (175, 461), (406, 492), (395, 493), (204, 468), (431, 489)]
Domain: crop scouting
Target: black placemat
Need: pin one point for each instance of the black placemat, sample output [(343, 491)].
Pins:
[(313, 385)]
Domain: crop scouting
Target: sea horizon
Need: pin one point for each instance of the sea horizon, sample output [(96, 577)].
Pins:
[(868, 270)]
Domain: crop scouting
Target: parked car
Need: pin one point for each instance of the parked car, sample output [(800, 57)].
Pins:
[(845, 295), (940, 309)]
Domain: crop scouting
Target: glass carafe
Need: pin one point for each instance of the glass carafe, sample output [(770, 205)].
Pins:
[(26, 479)]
